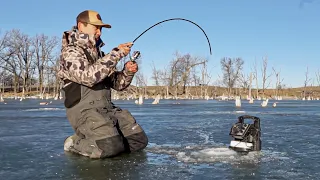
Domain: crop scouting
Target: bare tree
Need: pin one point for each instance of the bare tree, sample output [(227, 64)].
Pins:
[(255, 76), (23, 54), (3, 45), (3, 75), (244, 81), (8, 59), (141, 83), (187, 62), (155, 75), (164, 79), (231, 69), (206, 78), (44, 47), (6, 79), (306, 82), (278, 81), (250, 86), (195, 78), (318, 77), (179, 72), (139, 78), (53, 69), (265, 77), (173, 78)]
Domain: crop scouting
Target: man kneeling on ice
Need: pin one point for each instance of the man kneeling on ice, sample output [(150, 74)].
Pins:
[(101, 129)]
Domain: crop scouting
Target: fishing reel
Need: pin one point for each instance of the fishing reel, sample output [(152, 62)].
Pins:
[(135, 55), (246, 137)]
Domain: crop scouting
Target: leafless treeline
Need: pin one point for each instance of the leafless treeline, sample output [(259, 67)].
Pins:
[(184, 71), (28, 62), (181, 73), (234, 76)]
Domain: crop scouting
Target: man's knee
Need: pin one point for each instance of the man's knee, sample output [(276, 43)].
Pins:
[(132, 131), (110, 146), (137, 141), (127, 123)]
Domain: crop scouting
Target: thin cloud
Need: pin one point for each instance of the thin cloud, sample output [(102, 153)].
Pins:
[(303, 2)]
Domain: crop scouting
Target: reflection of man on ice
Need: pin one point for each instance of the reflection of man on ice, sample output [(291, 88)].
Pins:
[(101, 129)]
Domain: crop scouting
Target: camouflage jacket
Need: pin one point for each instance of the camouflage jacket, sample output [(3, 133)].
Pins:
[(76, 67)]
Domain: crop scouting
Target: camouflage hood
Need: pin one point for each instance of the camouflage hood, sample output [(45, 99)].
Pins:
[(81, 60), (76, 38)]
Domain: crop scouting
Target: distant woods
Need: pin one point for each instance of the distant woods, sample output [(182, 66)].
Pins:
[(28, 64), (181, 73), (189, 76)]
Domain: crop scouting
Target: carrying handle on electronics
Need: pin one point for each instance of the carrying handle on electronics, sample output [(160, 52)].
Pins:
[(254, 118)]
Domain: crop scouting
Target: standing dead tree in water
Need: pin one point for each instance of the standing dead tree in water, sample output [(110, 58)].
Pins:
[(165, 79), (187, 63), (265, 77), (156, 75), (141, 83), (278, 81), (173, 71), (205, 80), (306, 82), (168, 77), (140, 80), (318, 77), (255, 76), (44, 47), (244, 82), (178, 73), (195, 80), (231, 69)]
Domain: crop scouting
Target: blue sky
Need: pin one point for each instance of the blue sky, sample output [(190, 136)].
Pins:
[(287, 31)]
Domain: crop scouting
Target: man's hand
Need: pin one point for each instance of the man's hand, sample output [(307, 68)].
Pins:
[(131, 67), (125, 48)]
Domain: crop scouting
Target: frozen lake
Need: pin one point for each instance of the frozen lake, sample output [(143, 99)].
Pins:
[(186, 141)]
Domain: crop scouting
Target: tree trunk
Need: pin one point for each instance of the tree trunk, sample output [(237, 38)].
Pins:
[(15, 84), (250, 85), (167, 92), (23, 87), (40, 81), (257, 89)]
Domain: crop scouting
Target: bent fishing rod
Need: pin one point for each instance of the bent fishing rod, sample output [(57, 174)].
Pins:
[(136, 54)]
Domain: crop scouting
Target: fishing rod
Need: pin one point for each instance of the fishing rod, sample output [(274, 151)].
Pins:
[(136, 54)]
